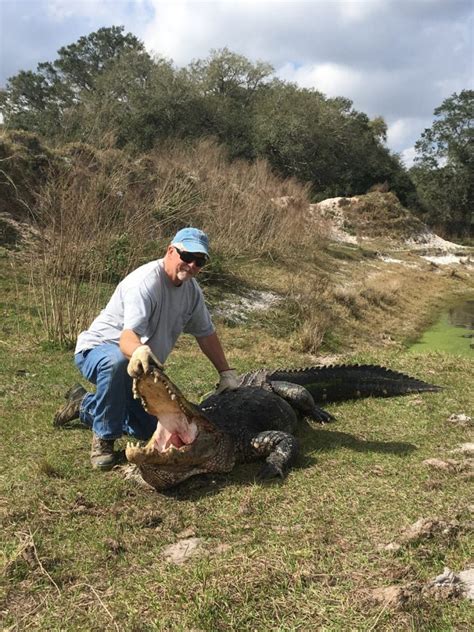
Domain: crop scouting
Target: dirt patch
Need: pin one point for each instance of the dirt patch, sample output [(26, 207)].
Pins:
[(395, 597), (427, 239), (461, 419), (467, 579), (446, 260), (238, 309), (425, 529), (381, 215), (465, 448), (446, 586), (451, 585), (189, 546), (332, 210), (182, 550), (448, 465)]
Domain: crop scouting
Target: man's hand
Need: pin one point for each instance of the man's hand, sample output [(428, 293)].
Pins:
[(229, 381), (141, 361)]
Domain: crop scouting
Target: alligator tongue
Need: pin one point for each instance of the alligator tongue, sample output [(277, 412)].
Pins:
[(176, 440), (163, 438)]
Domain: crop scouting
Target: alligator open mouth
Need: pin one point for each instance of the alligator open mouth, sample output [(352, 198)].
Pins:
[(175, 428), (179, 422)]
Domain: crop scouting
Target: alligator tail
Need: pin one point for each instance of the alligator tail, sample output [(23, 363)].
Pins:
[(338, 383)]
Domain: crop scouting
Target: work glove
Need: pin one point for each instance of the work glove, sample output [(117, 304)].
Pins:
[(142, 360), (229, 381)]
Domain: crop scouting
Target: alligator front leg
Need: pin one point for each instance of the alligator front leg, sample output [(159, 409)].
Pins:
[(280, 450), (301, 399)]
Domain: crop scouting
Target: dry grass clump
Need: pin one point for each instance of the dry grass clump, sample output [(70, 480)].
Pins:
[(324, 309), (328, 315), (314, 317), (364, 302), (380, 214), (93, 228), (349, 299), (380, 291), (24, 165), (238, 203)]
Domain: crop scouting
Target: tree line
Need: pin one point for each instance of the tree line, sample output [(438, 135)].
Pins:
[(106, 88)]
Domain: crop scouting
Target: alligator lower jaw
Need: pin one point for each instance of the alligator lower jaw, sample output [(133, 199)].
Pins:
[(151, 454)]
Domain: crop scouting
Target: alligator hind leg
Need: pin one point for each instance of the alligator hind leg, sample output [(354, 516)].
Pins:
[(280, 450), (301, 399)]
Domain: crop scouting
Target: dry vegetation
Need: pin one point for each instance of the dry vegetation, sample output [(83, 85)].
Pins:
[(380, 215)]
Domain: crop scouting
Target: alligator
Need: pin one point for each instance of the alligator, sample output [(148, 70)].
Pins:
[(253, 422)]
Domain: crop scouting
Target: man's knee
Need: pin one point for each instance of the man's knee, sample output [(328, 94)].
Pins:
[(114, 363), (102, 361)]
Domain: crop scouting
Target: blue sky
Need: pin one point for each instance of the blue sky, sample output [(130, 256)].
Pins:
[(395, 58)]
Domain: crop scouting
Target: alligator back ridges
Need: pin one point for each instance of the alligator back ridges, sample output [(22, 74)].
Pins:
[(337, 383)]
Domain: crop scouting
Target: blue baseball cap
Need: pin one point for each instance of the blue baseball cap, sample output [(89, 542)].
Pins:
[(192, 240)]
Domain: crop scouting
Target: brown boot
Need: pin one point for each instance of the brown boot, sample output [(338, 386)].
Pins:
[(70, 410), (102, 453)]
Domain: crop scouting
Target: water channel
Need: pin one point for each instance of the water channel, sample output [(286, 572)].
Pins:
[(453, 332)]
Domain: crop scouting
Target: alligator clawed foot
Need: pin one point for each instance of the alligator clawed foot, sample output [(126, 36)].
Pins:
[(322, 416), (270, 471)]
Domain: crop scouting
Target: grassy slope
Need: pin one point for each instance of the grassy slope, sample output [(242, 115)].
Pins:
[(83, 550)]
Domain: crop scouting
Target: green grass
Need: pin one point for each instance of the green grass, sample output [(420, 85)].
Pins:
[(83, 550)]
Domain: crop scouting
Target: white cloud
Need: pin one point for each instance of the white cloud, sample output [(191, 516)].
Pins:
[(60, 10), (332, 79), (357, 11), (405, 131), (179, 33), (408, 157)]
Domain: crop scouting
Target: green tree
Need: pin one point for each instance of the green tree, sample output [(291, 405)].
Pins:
[(322, 141), (136, 99), (445, 163), (37, 101), (228, 74), (228, 86)]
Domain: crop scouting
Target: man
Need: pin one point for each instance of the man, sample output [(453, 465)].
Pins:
[(147, 312)]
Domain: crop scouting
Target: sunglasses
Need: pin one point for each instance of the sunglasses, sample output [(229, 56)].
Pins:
[(190, 257)]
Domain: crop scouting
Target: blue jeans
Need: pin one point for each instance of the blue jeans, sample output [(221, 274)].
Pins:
[(111, 411)]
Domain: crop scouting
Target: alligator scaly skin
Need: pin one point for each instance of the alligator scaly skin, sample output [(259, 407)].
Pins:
[(342, 382)]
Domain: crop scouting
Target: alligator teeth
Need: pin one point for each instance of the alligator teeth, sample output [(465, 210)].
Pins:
[(155, 379), (136, 394), (173, 397)]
